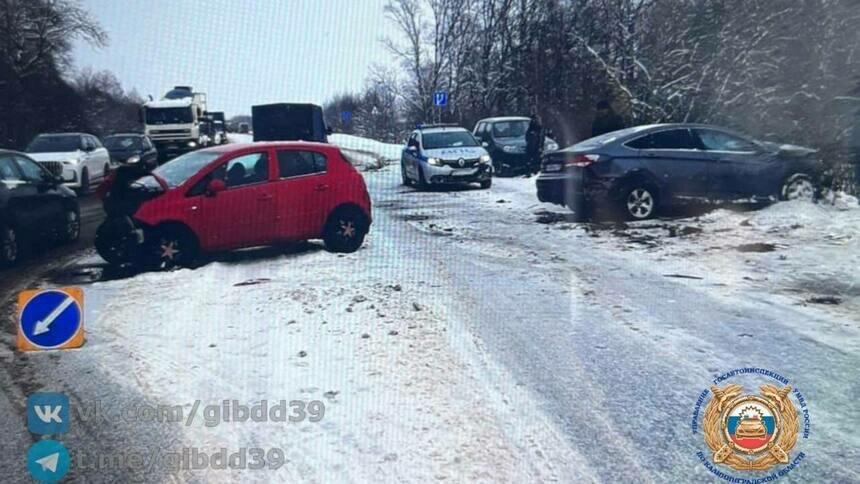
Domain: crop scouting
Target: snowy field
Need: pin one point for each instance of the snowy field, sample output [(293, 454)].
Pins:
[(479, 336)]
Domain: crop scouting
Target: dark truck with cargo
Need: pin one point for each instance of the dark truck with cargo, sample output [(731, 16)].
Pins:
[(219, 125), (289, 122)]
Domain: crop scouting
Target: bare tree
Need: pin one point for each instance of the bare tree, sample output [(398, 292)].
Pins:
[(38, 34)]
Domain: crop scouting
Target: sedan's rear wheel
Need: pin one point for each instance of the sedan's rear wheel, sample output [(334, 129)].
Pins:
[(638, 202), (10, 248), (799, 187)]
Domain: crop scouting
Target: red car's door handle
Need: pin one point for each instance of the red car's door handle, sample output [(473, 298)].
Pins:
[(321, 188)]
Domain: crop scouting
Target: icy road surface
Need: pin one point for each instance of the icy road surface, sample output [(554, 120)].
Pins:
[(477, 336)]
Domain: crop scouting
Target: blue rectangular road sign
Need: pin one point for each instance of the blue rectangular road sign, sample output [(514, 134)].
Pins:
[(440, 98)]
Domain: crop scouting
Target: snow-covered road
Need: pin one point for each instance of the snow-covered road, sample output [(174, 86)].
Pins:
[(617, 328), (479, 336)]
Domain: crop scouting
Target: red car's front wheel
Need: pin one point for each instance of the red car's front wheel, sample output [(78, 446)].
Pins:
[(170, 247)]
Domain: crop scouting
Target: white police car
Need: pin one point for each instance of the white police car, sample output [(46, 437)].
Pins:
[(443, 154)]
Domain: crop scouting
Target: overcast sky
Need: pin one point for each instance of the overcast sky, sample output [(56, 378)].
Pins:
[(240, 52)]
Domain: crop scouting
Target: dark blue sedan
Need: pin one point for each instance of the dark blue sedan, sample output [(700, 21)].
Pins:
[(637, 171)]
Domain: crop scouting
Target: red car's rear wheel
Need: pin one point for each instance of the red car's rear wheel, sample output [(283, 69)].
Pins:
[(345, 230)]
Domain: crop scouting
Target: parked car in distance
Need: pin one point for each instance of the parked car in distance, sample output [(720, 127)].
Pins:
[(34, 205), (78, 158), (637, 171), (131, 149), (439, 154), (505, 140), (235, 196), (244, 128)]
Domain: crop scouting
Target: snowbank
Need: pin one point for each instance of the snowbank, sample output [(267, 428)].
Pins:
[(797, 252), (240, 138), (366, 153)]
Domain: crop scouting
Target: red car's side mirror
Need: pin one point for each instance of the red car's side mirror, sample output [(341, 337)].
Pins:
[(215, 186)]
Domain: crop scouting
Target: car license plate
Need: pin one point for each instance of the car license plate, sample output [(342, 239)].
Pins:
[(553, 167), (463, 172)]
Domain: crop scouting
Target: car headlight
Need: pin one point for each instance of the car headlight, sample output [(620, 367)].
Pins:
[(434, 161), (192, 144), (71, 161), (484, 159), (551, 146), (134, 159)]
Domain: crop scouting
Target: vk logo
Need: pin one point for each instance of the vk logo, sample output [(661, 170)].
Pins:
[(48, 413)]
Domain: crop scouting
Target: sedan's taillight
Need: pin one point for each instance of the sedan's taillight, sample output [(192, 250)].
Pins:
[(581, 160)]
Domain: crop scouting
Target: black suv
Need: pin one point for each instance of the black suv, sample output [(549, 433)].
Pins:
[(504, 138), (33, 205)]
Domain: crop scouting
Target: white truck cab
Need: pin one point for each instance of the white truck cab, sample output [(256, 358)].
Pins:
[(173, 123)]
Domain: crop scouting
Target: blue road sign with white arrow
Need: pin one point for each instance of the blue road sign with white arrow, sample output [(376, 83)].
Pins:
[(50, 319), (440, 98)]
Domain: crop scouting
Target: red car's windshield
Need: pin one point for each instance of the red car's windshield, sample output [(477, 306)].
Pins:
[(179, 170)]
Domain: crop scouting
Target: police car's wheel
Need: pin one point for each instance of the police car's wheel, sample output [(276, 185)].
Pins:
[(9, 246), (406, 180), (422, 182), (487, 183), (345, 230)]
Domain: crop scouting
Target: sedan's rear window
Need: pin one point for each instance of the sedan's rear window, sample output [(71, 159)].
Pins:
[(673, 139), (607, 138)]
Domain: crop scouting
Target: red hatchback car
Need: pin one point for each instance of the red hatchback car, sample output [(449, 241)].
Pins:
[(236, 196)]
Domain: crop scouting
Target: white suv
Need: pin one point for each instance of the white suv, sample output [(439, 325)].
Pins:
[(78, 158)]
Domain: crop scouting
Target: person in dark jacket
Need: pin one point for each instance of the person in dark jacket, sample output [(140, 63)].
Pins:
[(534, 142), (605, 120)]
